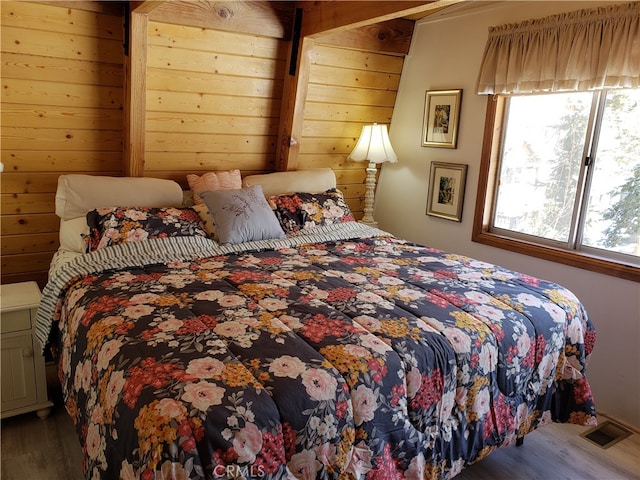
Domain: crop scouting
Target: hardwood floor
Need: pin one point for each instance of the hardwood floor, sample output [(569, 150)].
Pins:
[(558, 452), (34, 449)]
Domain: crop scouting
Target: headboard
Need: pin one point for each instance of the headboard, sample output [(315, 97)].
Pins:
[(78, 194)]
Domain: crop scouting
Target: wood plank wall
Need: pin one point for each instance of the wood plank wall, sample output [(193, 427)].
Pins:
[(213, 103), (348, 88), (62, 101)]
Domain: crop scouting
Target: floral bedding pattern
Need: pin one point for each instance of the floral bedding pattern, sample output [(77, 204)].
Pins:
[(114, 225), (367, 358), (299, 211)]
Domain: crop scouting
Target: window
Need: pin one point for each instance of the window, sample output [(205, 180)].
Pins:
[(562, 178)]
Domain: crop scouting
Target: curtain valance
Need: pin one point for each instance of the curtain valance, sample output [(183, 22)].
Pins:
[(581, 50)]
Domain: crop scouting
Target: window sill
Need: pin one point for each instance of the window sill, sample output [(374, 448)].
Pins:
[(566, 257)]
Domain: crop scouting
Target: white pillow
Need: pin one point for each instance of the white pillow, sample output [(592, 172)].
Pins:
[(78, 194), (313, 180)]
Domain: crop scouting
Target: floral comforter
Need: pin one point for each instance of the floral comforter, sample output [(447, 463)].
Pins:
[(351, 358)]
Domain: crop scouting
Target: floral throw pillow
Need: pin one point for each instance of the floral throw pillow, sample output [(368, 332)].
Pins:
[(116, 225), (299, 211)]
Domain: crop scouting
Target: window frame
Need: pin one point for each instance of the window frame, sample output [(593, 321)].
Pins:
[(487, 180)]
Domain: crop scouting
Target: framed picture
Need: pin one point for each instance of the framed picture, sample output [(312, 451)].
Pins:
[(446, 190), (441, 114)]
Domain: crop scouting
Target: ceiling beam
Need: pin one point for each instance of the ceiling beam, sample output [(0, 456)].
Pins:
[(393, 36), (333, 16), (268, 19), (144, 7)]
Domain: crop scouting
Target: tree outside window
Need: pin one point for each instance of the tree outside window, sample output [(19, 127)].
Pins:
[(567, 173)]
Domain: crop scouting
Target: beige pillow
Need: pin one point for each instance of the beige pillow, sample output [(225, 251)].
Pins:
[(212, 181), (72, 234), (313, 180), (78, 194), (207, 220)]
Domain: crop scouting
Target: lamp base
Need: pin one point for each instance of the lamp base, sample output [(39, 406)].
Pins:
[(369, 195)]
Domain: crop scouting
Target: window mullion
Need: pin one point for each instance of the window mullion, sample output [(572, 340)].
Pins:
[(586, 171), (496, 184)]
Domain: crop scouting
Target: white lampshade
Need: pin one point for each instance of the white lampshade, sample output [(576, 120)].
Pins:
[(374, 145)]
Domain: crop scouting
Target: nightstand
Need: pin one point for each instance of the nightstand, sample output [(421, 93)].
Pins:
[(24, 384)]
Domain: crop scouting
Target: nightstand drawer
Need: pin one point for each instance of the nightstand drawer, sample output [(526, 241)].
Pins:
[(15, 321)]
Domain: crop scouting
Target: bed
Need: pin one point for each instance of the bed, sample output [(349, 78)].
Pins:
[(226, 339)]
